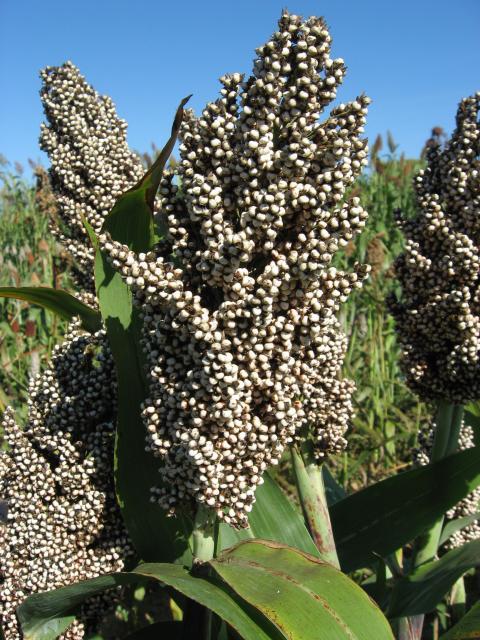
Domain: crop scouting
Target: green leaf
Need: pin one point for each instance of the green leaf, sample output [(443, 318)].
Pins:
[(305, 598), (334, 492), (155, 536), (426, 586), (131, 219), (452, 526), (44, 616), (272, 518), (468, 628), (383, 517), (60, 302)]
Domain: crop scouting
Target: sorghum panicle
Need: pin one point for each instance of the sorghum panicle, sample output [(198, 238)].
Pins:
[(63, 523), (239, 300), (91, 163), (438, 315)]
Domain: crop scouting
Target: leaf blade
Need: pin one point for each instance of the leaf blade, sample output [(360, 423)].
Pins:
[(59, 301), (427, 585), (383, 517), (40, 614), (272, 518), (305, 598), (468, 628)]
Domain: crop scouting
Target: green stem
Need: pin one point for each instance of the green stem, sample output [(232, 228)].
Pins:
[(311, 491), (448, 421), (458, 600), (203, 534), (203, 538)]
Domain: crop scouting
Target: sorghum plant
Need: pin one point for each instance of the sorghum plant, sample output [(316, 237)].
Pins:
[(63, 521), (90, 161), (217, 304), (438, 316), (468, 508), (239, 298)]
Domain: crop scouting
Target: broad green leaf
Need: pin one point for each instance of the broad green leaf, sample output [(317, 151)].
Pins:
[(383, 517), (305, 598), (155, 536), (44, 616), (452, 526), (334, 492), (468, 628), (63, 304), (427, 585), (272, 518)]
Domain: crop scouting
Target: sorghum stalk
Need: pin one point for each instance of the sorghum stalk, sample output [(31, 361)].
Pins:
[(458, 600), (409, 628), (203, 550), (204, 534), (311, 491)]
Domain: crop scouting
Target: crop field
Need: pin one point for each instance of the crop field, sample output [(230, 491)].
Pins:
[(385, 425), (240, 375)]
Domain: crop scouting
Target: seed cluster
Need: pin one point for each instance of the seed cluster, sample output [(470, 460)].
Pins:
[(239, 300), (438, 316), (91, 163), (63, 523), (469, 505)]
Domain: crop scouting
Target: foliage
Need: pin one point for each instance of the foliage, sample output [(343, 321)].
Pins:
[(241, 584), (387, 413), (28, 256)]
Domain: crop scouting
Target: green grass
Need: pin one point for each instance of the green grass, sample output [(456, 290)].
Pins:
[(27, 257), (387, 414)]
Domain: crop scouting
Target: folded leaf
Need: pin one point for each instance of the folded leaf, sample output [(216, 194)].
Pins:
[(44, 616), (424, 589), (383, 517), (63, 304), (305, 598)]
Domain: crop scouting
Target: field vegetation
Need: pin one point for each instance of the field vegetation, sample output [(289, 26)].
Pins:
[(238, 390)]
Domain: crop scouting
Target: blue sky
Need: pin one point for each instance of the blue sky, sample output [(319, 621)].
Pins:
[(415, 58)]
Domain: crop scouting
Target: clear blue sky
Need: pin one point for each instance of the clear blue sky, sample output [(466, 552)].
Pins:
[(415, 58)]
